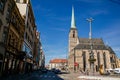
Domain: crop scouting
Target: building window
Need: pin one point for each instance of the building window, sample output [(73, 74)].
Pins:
[(84, 60), (111, 60), (73, 34), (0, 24), (1, 6), (104, 60), (8, 13), (98, 59)]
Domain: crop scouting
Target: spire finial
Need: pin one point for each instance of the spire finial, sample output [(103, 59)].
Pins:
[(73, 19)]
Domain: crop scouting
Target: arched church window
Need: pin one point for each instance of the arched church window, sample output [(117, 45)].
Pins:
[(98, 59), (104, 60), (73, 34), (111, 59), (84, 60)]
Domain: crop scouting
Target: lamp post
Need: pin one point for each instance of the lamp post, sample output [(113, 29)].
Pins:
[(91, 55)]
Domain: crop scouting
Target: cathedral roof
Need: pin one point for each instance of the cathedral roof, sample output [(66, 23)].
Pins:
[(84, 43), (111, 50), (88, 46), (95, 41)]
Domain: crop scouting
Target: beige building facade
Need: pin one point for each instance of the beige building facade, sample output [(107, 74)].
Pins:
[(20, 47), (119, 63), (29, 44), (88, 53), (58, 64)]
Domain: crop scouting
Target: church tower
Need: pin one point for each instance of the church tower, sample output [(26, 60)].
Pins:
[(73, 34)]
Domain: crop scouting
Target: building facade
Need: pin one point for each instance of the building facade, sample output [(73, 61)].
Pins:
[(42, 59), (26, 11), (119, 63), (58, 64), (20, 47), (88, 53), (3, 32), (12, 36), (38, 56)]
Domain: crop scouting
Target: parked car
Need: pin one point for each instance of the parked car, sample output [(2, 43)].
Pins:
[(44, 70), (117, 70), (56, 71), (109, 71)]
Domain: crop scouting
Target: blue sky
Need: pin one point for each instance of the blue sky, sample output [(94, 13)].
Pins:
[(53, 20)]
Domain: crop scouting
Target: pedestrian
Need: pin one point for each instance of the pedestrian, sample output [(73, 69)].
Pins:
[(87, 72)]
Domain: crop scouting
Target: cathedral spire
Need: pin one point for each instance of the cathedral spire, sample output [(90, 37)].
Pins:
[(73, 19)]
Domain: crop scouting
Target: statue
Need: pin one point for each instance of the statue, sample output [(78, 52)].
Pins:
[(101, 71)]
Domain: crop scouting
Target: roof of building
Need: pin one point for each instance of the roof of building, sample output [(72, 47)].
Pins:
[(97, 44), (58, 61), (88, 46), (85, 43), (95, 41)]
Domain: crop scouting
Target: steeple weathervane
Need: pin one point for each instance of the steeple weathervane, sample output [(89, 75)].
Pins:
[(73, 19)]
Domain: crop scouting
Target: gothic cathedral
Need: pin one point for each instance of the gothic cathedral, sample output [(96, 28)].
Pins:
[(88, 53)]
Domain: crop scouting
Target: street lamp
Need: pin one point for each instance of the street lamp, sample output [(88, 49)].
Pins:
[(91, 55)]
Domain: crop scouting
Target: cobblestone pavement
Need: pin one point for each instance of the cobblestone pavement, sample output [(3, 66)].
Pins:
[(70, 76), (98, 78), (37, 75), (91, 76)]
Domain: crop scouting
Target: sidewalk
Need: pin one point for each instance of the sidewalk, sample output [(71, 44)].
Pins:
[(91, 76), (97, 76)]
